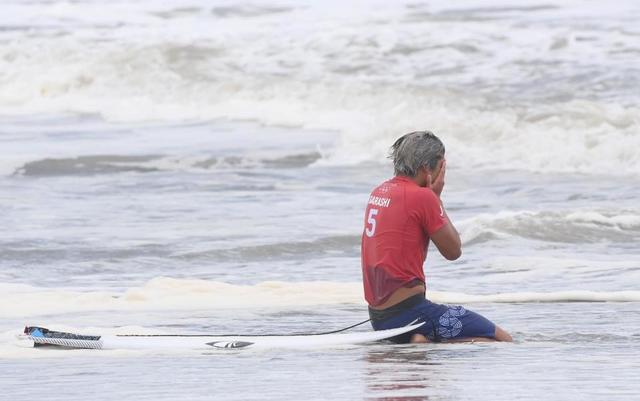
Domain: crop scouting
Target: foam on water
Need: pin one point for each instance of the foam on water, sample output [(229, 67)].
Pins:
[(169, 294), (162, 293), (541, 99)]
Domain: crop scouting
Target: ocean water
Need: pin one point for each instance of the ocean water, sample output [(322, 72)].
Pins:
[(203, 167)]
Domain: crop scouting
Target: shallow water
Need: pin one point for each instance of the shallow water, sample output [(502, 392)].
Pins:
[(203, 168), (261, 248), (579, 351)]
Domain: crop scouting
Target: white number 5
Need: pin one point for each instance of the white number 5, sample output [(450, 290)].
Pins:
[(371, 220)]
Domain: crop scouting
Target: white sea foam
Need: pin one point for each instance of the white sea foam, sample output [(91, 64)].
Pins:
[(369, 72), (175, 294), (180, 294)]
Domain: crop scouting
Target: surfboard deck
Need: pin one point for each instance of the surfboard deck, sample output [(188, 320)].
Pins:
[(42, 337)]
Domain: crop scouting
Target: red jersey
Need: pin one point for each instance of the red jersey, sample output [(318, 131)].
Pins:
[(399, 219)]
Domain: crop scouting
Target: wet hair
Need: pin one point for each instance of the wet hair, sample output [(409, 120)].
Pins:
[(414, 150)]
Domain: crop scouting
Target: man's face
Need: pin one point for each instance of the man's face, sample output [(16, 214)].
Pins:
[(435, 172), (425, 172)]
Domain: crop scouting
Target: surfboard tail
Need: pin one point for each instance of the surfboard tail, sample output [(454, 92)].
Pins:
[(42, 336)]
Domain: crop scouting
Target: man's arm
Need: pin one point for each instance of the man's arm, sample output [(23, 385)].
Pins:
[(447, 239)]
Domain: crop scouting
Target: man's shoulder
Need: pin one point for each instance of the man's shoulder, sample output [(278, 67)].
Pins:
[(384, 187), (422, 196)]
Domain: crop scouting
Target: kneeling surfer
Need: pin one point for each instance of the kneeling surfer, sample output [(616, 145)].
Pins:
[(403, 214)]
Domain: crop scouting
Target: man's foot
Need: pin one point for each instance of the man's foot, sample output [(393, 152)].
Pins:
[(419, 339), (502, 335)]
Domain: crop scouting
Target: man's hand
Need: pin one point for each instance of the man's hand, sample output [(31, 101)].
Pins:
[(437, 185)]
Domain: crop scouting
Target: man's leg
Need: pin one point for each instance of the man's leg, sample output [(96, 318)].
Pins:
[(501, 335)]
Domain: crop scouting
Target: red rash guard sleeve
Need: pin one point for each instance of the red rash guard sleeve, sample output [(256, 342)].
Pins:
[(432, 212)]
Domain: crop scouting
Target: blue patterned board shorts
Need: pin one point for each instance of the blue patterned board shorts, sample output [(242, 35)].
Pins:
[(442, 322)]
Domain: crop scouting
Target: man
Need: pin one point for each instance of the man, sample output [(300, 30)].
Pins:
[(403, 214)]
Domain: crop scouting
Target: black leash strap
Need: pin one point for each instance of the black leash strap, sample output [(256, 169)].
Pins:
[(246, 335)]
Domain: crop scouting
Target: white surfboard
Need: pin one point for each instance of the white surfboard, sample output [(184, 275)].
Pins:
[(44, 337)]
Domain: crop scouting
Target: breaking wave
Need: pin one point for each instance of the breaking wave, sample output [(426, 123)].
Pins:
[(111, 164), (379, 73), (563, 227)]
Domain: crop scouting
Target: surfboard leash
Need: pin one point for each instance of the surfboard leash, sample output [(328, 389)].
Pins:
[(248, 335)]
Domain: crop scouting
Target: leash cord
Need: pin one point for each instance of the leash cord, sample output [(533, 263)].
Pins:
[(246, 335)]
